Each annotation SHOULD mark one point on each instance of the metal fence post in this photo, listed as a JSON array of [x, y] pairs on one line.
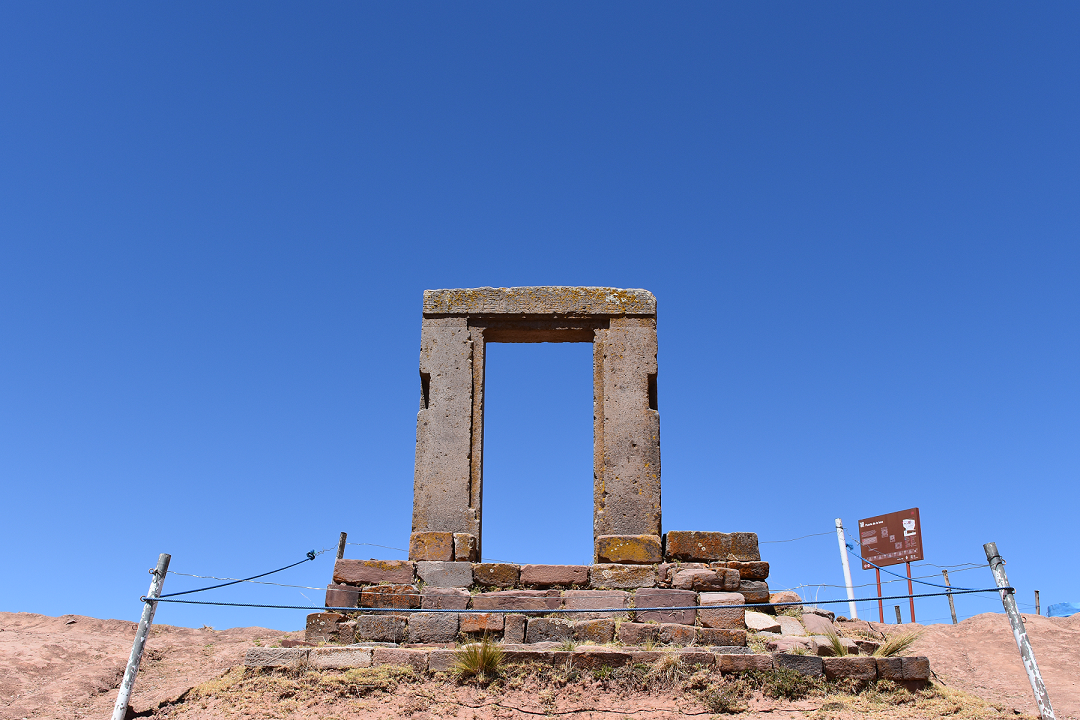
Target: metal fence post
[[149, 608], [997, 566]]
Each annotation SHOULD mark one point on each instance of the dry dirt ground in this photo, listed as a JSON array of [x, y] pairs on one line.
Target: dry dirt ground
[[70, 667]]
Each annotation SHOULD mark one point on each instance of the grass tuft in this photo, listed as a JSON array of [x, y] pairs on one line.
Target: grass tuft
[[896, 644], [480, 660]]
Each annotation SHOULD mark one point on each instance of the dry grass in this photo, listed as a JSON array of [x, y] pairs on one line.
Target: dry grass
[[482, 661], [394, 691], [896, 644]]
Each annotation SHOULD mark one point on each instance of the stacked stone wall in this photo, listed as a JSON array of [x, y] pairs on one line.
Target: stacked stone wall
[[695, 568]]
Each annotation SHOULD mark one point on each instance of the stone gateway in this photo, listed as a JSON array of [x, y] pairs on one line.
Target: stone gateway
[[449, 475]]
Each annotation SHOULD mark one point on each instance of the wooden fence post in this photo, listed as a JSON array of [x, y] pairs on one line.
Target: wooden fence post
[[899, 620], [952, 605], [997, 566], [341, 546], [149, 608]]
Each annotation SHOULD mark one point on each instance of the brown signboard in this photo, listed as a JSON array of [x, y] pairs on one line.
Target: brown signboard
[[891, 539]]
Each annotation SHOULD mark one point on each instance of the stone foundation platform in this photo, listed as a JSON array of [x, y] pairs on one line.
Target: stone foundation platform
[[698, 569], [914, 670]]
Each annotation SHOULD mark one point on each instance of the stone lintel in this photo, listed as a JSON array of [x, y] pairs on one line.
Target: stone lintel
[[540, 300]]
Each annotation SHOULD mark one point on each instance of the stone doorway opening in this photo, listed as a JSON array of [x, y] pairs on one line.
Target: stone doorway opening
[[538, 453]]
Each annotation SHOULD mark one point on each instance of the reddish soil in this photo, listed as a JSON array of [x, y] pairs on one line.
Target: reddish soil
[[70, 667]]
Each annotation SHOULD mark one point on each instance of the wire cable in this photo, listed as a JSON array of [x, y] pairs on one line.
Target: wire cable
[[310, 556]]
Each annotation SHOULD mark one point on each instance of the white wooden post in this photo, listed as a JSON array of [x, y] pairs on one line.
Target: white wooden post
[[997, 566], [847, 570], [149, 608]]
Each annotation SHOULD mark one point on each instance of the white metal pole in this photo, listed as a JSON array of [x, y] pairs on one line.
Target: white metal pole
[[847, 569], [149, 608], [1042, 699]]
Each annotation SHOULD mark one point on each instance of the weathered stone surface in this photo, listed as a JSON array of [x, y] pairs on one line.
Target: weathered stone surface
[[340, 658], [916, 668], [696, 546], [696, 657], [743, 663], [760, 622], [632, 633], [867, 647], [805, 664], [827, 614], [390, 596], [525, 654], [856, 668], [706, 580], [722, 617], [441, 660], [482, 622], [514, 629], [444, 598], [675, 634], [787, 643], [545, 576], [755, 570], [754, 591], [744, 547], [435, 546], [442, 497], [596, 632], [381, 628], [548, 630], [542, 300], [817, 625], [647, 657], [445, 574], [373, 572], [276, 657], [720, 636], [524, 600], [786, 596], [663, 598], [342, 596], [415, 658], [433, 627], [790, 626], [622, 576], [465, 547], [602, 599], [322, 627], [822, 646], [592, 658], [890, 668], [628, 549], [626, 458], [495, 574]]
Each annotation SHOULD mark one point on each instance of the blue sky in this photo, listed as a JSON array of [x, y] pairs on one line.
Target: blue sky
[[217, 222]]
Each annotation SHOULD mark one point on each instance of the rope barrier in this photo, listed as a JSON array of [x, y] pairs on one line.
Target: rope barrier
[[563, 610], [310, 556]]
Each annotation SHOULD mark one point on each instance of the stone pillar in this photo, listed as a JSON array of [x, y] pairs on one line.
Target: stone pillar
[[442, 493], [626, 455]]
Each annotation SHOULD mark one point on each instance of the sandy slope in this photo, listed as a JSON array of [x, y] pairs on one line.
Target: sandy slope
[[70, 666]]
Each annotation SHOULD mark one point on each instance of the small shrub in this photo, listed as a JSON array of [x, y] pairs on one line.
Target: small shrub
[[723, 700], [480, 660], [784, 683]]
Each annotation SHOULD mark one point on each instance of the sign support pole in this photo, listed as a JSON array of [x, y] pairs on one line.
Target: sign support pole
[[910, 592], [149, 608], [847, 569], [880, 605], [997, 566], [952, 605]]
